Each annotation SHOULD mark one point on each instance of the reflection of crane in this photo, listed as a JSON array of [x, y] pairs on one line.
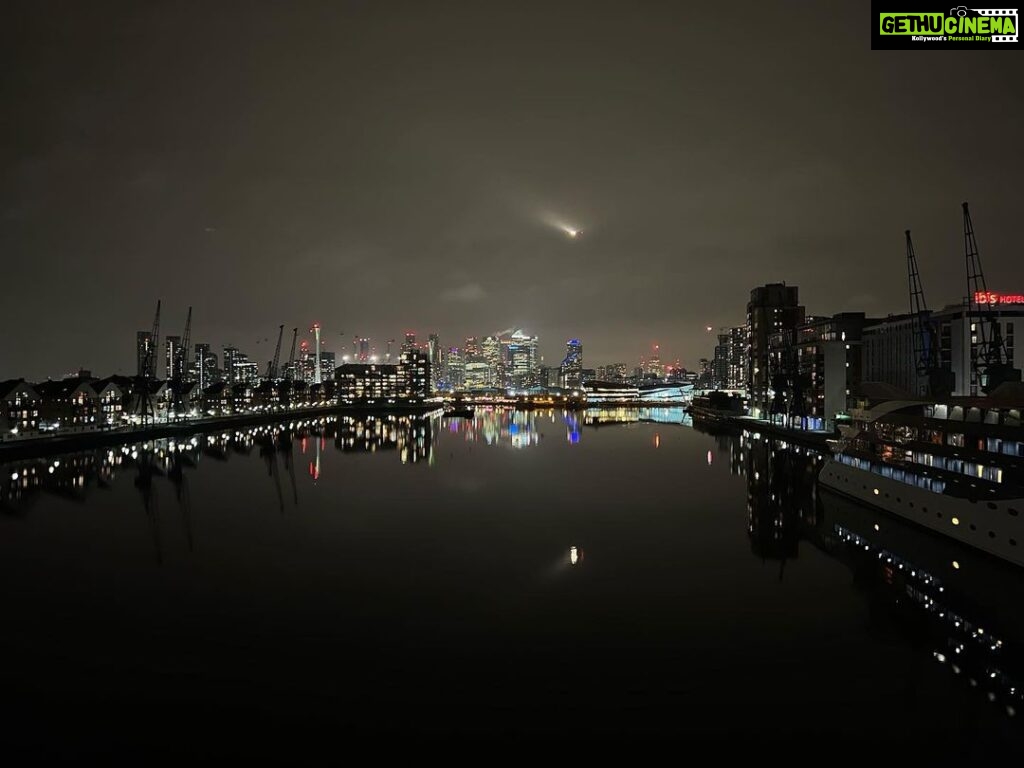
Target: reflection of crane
[[289, 464], [989, 363], [290, 372], [149, 368], [268, 450], [272, 365], [144, 482], [176, 474]]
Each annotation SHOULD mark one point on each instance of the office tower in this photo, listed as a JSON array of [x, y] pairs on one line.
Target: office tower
[[490, 350], [363, 353], [410, 341], [456, 368], [520, 357]]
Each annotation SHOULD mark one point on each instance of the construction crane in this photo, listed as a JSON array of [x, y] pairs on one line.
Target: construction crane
[[272, 365], [990, 365], [181, 362], [290, 372], [148, 373]]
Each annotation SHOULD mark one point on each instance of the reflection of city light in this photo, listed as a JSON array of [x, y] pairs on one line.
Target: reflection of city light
[[657, 440], [574, 555], [711, 458]]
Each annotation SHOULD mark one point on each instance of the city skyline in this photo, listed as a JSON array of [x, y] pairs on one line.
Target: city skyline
[[300, 183]]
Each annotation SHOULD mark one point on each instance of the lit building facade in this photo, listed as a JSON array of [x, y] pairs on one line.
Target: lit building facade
[[889, 353], [773, 308], [572, 365]]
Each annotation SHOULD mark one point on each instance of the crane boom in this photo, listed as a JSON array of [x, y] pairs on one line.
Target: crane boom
[[290, 373], [181, 364], [989, 362], [919, 310], [272, 367], [152, 364]]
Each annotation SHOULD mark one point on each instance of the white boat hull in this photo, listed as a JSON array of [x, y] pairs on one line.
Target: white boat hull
[[995, 526]]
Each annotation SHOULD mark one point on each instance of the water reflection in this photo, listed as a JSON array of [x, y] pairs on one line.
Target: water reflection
[[76, 476], [513, 428], [959, 606]]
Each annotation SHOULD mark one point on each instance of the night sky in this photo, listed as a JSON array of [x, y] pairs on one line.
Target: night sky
[[378, 166]]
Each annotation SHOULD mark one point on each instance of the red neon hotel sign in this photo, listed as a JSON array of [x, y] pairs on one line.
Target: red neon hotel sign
[[991, 297]]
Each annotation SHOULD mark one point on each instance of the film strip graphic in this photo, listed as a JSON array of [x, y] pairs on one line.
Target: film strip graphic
[[1001, 12]]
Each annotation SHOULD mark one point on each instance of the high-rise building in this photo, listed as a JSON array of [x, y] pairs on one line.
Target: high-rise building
[[232, 357], [145, 355], [410, 341], [491, 350], [520, 359], [414, 370], [203, 366], [652, 368], [455, 369], [434, 353], [363, 353], [176, 357], [772, 308], [815, 370], [572, 365]]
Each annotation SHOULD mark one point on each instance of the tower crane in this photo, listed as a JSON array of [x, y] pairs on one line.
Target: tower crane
[[925, 356], [181, 363], [990, 364], [290, 373], [149, 364], [272, 365]]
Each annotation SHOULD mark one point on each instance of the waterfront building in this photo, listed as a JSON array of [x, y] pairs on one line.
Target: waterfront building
[[414, 370], [113, 395], [815, 369], [68, 403], [611, 392], [19, 407], [572, 365], [890, 355], [772, 308], [359, 382], [587, 374]]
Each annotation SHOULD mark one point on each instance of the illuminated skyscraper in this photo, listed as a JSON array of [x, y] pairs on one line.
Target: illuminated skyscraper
[[175, 357], [572, 365], [455, 368], [490, 349], [434, 354], [520, 359]]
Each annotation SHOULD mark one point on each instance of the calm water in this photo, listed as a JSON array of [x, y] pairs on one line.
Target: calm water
[[518, 573]]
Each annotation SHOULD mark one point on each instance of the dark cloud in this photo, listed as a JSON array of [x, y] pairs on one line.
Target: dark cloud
[[377, 166]]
